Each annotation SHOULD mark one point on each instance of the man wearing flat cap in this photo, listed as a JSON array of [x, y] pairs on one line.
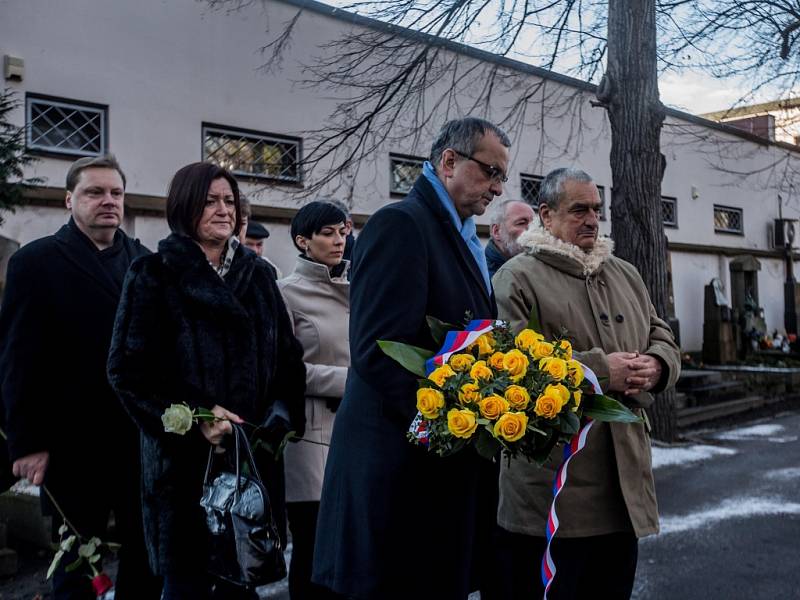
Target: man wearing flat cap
[[254, 238]]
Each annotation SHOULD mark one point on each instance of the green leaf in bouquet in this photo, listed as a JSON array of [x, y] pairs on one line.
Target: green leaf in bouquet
[[410, 357], [604, 408], [570, 424], [56, 559], [73, 566], [203, 414], [486, 444], [533, 320], [439, 329]]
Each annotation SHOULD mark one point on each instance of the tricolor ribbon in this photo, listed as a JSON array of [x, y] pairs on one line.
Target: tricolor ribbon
[[575, 445], [455, 341]]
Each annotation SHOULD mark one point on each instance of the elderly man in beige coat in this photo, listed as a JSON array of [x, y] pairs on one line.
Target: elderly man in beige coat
[[571, 278]]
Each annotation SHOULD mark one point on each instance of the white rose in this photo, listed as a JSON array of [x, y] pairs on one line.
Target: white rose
[[177, 418]]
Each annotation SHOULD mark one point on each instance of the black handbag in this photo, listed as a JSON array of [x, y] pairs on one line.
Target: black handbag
[[245, 547]]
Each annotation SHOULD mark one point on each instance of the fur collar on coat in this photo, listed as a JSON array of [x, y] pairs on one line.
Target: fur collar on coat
[[537, 240]]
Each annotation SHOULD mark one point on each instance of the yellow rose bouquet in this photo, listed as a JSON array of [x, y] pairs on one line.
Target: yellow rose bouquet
[[486, 387]]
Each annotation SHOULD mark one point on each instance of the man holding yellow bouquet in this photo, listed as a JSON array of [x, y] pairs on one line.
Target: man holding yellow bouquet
[[571, 279], [397, 521]]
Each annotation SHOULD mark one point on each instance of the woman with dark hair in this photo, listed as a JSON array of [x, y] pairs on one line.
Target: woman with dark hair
[[200, 322], [317, 295]]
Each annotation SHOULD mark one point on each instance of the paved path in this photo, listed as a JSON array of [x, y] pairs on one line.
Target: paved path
[[730, 516]]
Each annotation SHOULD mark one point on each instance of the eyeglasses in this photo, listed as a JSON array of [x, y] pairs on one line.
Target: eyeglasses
[[491, 171]]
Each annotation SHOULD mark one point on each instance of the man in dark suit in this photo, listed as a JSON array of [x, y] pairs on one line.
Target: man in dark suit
[[66, 428], [396, 521]]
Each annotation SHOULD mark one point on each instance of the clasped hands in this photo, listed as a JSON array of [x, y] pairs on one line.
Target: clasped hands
[[633, 373]]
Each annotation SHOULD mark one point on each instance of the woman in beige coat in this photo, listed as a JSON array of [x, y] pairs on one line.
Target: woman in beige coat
[[317, 295]]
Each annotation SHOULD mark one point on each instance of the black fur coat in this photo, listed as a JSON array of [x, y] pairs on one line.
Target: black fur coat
[[182, 334]]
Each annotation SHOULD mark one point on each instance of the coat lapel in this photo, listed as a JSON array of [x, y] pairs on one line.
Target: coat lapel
[[77, 252], [200, 283], [428, 197]]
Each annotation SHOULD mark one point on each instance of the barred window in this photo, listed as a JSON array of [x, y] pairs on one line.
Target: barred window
[[669, 211], [403, 172], [529, 186], [253, 154], [67, 127], [602, 191], [728, 219]]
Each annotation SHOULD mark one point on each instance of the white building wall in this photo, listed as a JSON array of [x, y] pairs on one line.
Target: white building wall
[[165, 68]]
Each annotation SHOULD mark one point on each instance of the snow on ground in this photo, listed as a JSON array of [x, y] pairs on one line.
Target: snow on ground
[[665, 456], [731, 508], [770, 432], [783, 474]]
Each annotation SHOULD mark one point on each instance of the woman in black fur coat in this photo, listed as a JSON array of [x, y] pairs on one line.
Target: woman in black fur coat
[[200, 322]]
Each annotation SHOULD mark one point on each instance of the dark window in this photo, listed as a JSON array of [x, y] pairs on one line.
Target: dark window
[[529, 186], [728, 220], [669, 211], [253, 154], [67, 127], [403, 172]]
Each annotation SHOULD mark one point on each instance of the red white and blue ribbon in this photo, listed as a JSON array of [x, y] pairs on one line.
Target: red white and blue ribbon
[[575, 445], [455, 341]]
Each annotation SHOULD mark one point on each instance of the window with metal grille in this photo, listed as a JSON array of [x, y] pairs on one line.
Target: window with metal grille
[[669, 211], [529, 186], [403, 172], [728, 219], [602, 191], [68, 127], [253, 154]]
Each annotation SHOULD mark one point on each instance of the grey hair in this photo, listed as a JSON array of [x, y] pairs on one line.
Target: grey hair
[[245, 207], [552, 187], [498, 210], [464, 135]]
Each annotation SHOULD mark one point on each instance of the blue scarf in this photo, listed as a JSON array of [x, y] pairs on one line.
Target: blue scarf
[[466, 229]]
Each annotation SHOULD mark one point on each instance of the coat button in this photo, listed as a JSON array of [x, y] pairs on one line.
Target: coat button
[[603, 317], [619, 318]]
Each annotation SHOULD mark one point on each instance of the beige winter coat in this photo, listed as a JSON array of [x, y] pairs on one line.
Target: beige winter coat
[[602, 302], [319, 307]]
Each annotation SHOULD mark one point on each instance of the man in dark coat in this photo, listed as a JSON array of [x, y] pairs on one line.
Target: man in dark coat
[[396, 521], [65, 426]]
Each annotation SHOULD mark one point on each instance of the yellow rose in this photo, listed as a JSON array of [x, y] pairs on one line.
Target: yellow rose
[[516, 364], [556, 367], [577, 395], [496, 361], [527, 338], [480, 371], [517, 396], [575, 372], [485, 344], [461, 362], [542, 349], [430, 402], [511, 426], [566, 349], [441, 374], [469, 393], [560, 392], [547, 406], [461, 422], [493, 406]]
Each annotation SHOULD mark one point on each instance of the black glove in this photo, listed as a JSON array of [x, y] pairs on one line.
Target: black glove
[[276, 430]]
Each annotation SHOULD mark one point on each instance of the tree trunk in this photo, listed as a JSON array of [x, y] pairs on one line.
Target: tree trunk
[[637, 166]]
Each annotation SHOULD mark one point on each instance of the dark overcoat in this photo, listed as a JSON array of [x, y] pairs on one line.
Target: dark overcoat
[[395, 521], [183, 335], [55, 329]]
